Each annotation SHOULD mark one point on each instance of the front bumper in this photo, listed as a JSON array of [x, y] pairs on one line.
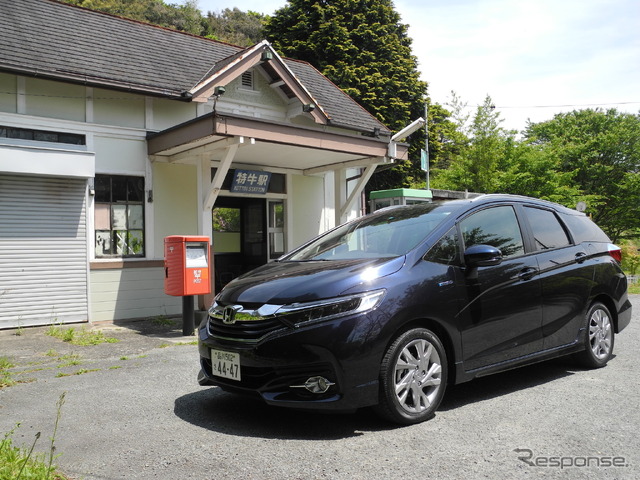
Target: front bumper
[[277, 367]]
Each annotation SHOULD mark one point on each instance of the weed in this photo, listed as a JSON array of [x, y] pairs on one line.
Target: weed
[[115, 367], [69, 360], [5, 363], [124, 358], [177, 344], [163, 321], [51, 353], [82, 371], [16, 462], [82, 337], [6, 377]]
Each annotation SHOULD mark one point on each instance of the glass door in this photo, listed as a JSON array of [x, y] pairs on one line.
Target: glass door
[[275, 228]]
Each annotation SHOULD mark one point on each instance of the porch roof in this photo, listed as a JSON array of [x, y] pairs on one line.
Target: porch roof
[[268, 144]]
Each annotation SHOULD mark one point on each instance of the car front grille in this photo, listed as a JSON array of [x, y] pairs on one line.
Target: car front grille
[[244, 331]]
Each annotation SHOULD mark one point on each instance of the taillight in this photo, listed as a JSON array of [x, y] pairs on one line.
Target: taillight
[[615, 252]]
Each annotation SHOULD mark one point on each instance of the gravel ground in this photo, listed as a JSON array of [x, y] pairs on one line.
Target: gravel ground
[[133, 410]]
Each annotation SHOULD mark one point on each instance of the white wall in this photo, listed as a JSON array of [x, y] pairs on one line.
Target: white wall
[[306, 202], [130, 293]]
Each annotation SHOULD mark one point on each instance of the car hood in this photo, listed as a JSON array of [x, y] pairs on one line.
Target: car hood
[[281, 283]]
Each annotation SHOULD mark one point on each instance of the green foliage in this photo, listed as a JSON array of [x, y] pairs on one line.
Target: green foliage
[[6, 377], [226, 219], [236, 27], [362, 46], [600, 151], [230, 25], [82, 337], [186, 18], [585, 155], [480, 155], [22, 463], [630, 258]]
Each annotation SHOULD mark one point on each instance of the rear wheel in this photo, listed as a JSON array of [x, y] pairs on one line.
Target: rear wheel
[[413, 377], [599, 339]]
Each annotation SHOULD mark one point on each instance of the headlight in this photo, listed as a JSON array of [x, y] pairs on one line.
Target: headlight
[[297, 313]]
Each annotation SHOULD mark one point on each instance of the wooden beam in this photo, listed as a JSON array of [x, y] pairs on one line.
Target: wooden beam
[[357, 191]]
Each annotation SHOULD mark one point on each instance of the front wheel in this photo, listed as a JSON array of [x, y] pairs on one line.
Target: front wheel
[[413, 377], [599, 338]]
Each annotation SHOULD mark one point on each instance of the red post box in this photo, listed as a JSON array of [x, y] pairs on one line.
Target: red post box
[[187, 265]]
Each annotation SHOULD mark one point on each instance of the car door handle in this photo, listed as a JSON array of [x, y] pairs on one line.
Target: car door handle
[[527, 273], [581, 257]]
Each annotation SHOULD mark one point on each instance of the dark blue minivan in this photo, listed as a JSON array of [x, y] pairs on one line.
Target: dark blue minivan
[[388, 309]]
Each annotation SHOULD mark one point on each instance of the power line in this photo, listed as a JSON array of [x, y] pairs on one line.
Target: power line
[[568, 105]]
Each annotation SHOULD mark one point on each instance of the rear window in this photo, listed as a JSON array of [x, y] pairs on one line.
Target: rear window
[[584, 230]]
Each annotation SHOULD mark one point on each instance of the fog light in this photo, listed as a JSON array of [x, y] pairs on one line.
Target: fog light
[[316, 385]]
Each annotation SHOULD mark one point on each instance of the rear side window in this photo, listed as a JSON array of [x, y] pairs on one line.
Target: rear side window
[[584, 230], [497, 226], [547, 230]]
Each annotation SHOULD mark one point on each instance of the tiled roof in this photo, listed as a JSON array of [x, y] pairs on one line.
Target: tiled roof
[[55, 40]]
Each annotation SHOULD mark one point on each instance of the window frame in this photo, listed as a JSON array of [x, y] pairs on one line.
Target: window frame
[[123, 205], [533, 247], [525, 233]]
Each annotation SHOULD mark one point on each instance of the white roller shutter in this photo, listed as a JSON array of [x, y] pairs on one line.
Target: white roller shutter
[[43, 250]]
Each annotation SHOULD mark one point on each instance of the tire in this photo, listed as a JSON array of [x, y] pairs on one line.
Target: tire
[[413, 377], [599, 338]]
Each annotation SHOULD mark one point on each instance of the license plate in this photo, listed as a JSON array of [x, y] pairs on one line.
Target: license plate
[[225, 364]]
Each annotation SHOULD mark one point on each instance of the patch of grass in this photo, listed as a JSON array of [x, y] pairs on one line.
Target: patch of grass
[[124, 358], [634, 288], [69, 360], [115, 367], [82, 337], [22, 463], [82, 371], [5, 363], [177, 344], [51, 353], [6, 377], [163, 321]]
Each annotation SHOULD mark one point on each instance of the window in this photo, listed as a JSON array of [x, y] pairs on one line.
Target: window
[[41, 135], [276, 228], [547, 230], [226, 230], [497, 227], [446, 250], [119, 216]]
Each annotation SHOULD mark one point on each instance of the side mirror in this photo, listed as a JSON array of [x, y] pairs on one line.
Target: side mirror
[[482, 256]]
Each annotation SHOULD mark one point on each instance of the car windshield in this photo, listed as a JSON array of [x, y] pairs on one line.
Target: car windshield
[[387, 233]]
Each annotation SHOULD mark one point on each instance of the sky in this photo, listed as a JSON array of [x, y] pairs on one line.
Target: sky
[[534, 58]]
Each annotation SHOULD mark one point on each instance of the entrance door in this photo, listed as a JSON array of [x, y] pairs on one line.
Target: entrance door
[[240, 240]]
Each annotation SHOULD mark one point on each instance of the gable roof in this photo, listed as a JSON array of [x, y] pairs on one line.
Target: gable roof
[[49, 39]]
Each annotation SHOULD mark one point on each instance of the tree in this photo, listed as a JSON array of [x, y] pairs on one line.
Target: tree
[[600, 151], [362, 46], [477, 165], [186, 18], [237, 27]]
